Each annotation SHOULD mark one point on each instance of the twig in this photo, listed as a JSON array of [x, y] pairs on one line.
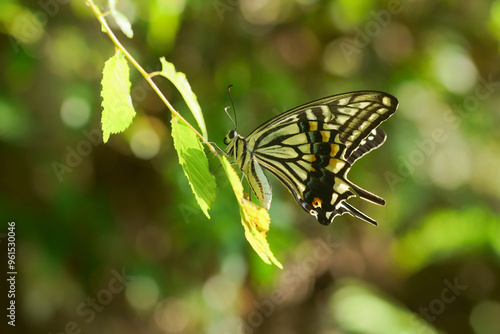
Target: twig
[[148, 76]]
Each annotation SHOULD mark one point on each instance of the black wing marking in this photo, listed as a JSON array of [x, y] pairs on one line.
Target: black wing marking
[[374, 140], [311, 148]]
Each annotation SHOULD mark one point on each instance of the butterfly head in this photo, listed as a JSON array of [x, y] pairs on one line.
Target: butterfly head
[[232, 140], [230, 137]]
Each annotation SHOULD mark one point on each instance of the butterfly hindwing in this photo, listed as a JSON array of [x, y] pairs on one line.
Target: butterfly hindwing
[[311, 148], [375, 139], [259, 183]]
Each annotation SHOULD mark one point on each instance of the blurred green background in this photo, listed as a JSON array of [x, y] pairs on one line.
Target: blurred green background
[[110, 240]]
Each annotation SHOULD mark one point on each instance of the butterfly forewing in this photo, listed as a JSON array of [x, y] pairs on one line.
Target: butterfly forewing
[[311, 148]]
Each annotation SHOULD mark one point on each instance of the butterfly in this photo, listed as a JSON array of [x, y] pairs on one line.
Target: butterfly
[[311, 148]]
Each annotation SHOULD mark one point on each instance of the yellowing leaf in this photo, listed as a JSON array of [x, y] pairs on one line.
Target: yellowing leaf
[[255, 219]]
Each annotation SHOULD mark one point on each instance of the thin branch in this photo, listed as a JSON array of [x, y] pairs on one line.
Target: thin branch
[[148, 76]]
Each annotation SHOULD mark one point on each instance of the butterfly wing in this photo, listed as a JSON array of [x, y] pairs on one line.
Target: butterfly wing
[[311, 148], [375, 139], [258, 182]]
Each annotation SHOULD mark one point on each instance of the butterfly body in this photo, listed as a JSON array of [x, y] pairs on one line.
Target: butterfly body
[[311, 148]]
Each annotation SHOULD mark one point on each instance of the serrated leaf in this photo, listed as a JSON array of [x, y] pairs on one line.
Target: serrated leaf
[[255, 219], [118, 112], [120, 19], [194, 163], [179, 80], [123, 22]]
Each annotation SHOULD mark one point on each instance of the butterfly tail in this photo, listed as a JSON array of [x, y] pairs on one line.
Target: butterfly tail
[[347, 208], [366, 195]]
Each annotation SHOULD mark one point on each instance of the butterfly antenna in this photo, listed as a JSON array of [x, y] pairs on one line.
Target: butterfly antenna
[[227, 113], [235, 120]]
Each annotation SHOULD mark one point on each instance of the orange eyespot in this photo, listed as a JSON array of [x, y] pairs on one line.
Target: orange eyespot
[[316, 202]]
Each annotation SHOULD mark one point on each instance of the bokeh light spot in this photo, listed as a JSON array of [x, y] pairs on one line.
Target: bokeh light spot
[[219, 292], [341, 57], [172, 315], [450, 164], [265, 12], [75, 112], [298, 47], [395, 43], [484, 317], [142, 293], [145, 143], [454, 69], [235, 267]]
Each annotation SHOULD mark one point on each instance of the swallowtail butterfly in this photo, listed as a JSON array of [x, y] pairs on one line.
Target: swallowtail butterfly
[[311, 148]]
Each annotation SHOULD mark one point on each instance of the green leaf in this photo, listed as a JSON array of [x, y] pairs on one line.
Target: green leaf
[[123, 22], [194, 163], [255, 219], [182, 85], [120, 19], [118, 112]]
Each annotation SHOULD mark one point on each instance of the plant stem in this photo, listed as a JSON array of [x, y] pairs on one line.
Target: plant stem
[[148, 76]]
